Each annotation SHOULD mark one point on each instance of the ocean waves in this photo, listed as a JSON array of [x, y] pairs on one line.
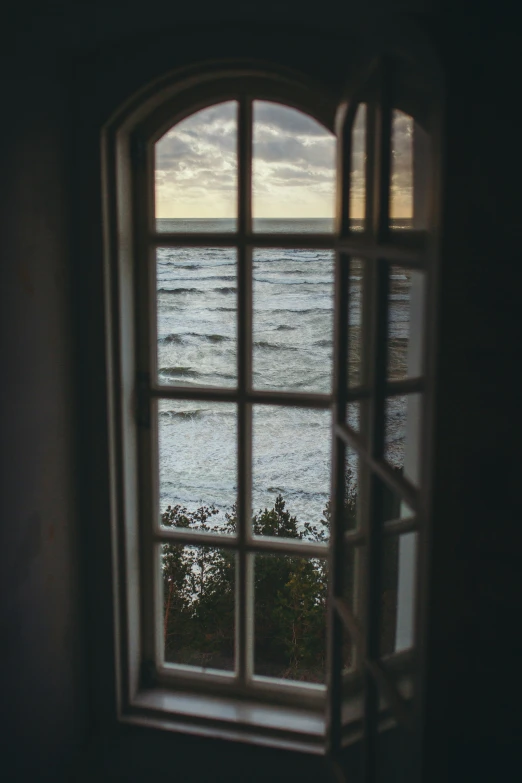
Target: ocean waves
[[292, 346], [197, 291], [179, 339]]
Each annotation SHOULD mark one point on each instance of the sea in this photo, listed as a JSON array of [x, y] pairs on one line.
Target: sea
[[292, 351]]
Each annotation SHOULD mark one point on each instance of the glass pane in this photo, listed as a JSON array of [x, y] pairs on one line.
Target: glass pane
[[351, 489], [358, 170], [293, 320], [198, 605], [402, 417], [197, 316], [290, 617], [197, 464], [405, 323], [353, 415], [358, 269], [196, 172], [293, 171], [401, 174], [291, 455], [399, 558]]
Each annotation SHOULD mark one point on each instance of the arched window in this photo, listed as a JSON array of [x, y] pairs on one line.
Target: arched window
[[272, 257]]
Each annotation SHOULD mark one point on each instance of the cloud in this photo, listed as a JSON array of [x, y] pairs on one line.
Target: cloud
[[293, 164], [286, 121]]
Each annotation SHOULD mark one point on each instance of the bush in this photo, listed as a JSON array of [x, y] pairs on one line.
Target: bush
[[290, 595]]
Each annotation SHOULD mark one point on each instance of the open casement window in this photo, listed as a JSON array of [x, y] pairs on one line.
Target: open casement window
[[384, 326], [205, 395]]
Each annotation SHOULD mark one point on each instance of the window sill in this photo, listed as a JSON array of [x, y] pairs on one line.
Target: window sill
[[300, 729], [288, 728]]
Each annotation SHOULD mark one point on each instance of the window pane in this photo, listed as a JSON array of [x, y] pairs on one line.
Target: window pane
[[405, 323], [353, 415], [358, 170], [293, 320], [196, 315], [293, 171], [198, 605], [197, 464], [358, 272], [351, 489], [353, 562], [196, 172], [399, 557], [290, 617], [291, 472], [403, 434], [401, 182]]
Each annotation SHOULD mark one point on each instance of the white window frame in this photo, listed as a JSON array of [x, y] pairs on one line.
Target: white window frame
[[242, 706]]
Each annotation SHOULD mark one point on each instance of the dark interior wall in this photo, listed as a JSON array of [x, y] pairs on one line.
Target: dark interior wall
[[475, 642], [41, 649]]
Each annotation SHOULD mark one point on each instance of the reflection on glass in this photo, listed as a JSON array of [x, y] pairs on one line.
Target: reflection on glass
[[197, 464], [358, 170], [399, 556], [355, 322], [197, 316], [402, 433], [293, 171], [401, 174], [293, 320], [290, 617], [198, 606], [196, 172], [291, 472], [405, 323]]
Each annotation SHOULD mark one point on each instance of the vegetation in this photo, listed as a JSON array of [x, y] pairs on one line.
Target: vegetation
[[290, 594]]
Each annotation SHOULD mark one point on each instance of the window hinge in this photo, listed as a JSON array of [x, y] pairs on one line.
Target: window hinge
[[143, 399]]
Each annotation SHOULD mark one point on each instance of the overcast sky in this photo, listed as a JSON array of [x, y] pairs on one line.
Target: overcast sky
[[293, 166]]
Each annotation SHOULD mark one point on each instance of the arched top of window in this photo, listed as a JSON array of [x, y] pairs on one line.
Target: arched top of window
[[161, 104]]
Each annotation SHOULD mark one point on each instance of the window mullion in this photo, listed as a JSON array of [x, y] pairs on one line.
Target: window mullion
[[244, 582]]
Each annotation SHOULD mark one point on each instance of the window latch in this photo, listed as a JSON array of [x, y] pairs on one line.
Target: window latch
[[143, 399]]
